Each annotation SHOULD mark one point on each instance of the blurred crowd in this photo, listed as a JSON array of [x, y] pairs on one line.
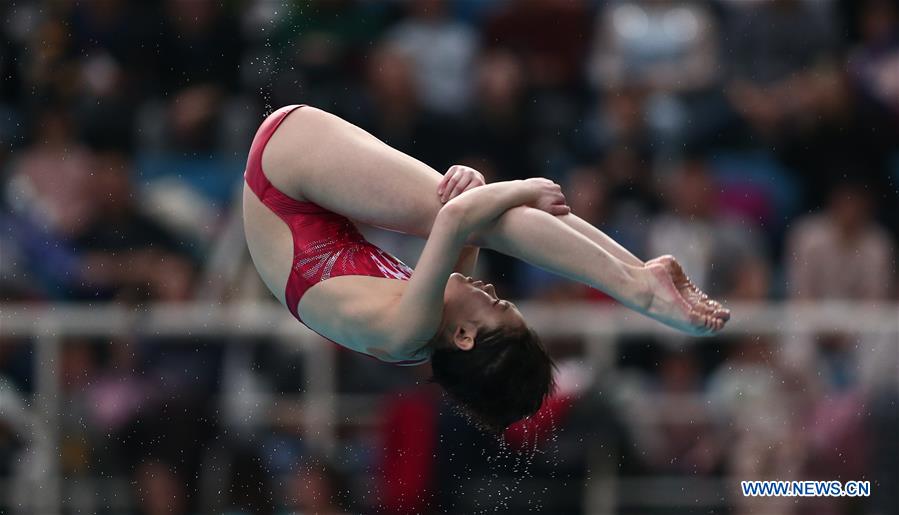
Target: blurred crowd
[[756, 140]]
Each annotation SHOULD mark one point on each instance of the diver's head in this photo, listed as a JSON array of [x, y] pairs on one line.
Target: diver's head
[[471, 307], [487, 358]]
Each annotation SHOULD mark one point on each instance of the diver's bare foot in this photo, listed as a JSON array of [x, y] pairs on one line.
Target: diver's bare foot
[[668, 305], [693, 295]]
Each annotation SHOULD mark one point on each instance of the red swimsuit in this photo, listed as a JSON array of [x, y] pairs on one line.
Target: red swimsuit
[[325, 244]]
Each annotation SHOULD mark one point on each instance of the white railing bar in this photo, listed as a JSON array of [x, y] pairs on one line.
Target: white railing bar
[[587, 319]]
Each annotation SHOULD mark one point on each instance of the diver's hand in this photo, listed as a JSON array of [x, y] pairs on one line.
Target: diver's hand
[[457, 180], [547, 196]]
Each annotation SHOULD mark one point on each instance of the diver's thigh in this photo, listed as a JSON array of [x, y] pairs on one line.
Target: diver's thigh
[[322, 158], [270, 243]]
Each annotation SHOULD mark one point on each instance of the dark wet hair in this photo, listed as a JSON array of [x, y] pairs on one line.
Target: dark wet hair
[[505, 377]]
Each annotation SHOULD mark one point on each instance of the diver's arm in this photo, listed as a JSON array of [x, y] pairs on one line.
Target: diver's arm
[[415, 317], [481, 206], [457, 180]]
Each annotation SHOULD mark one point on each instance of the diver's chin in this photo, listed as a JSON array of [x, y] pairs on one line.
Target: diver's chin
[[460, 277]]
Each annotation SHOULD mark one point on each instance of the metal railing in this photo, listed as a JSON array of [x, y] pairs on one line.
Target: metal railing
[[599, 324]]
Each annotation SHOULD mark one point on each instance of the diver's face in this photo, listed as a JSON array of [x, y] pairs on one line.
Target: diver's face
[[468, 301]]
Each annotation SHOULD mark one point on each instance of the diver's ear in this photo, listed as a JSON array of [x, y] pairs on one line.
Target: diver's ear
[[464, 336]]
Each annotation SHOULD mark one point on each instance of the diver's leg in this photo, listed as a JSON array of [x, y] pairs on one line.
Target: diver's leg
[[317, 156], [333, 163], [324, 159], [320, 157], [545, 241], [600, 238]]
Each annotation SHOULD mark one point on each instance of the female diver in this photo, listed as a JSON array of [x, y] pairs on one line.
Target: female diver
[[322, 173]]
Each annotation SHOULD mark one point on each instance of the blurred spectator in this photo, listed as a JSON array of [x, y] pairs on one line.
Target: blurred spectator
[[497, 135], [617, 123], [113, 29], [589, 195], [108, 37], [116, 395], [551, 37], [196, 69], [16, 435], [756, 406], [631, 199], [319, 487], [48, 67], [873, 66], [841, 253], [250, 484], [838, 439], [408, 440], [708, 246], [80, 228], [166, 469], [329, 34], [662, 55], [769, 40], [10, 96], [683, 439], [551, 40], [50, 176], [781, 61], [874, 63], [665, 46], [391, 109], [442, 52], [200, 44], [124, 252], [314, 52], [751, 280]]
